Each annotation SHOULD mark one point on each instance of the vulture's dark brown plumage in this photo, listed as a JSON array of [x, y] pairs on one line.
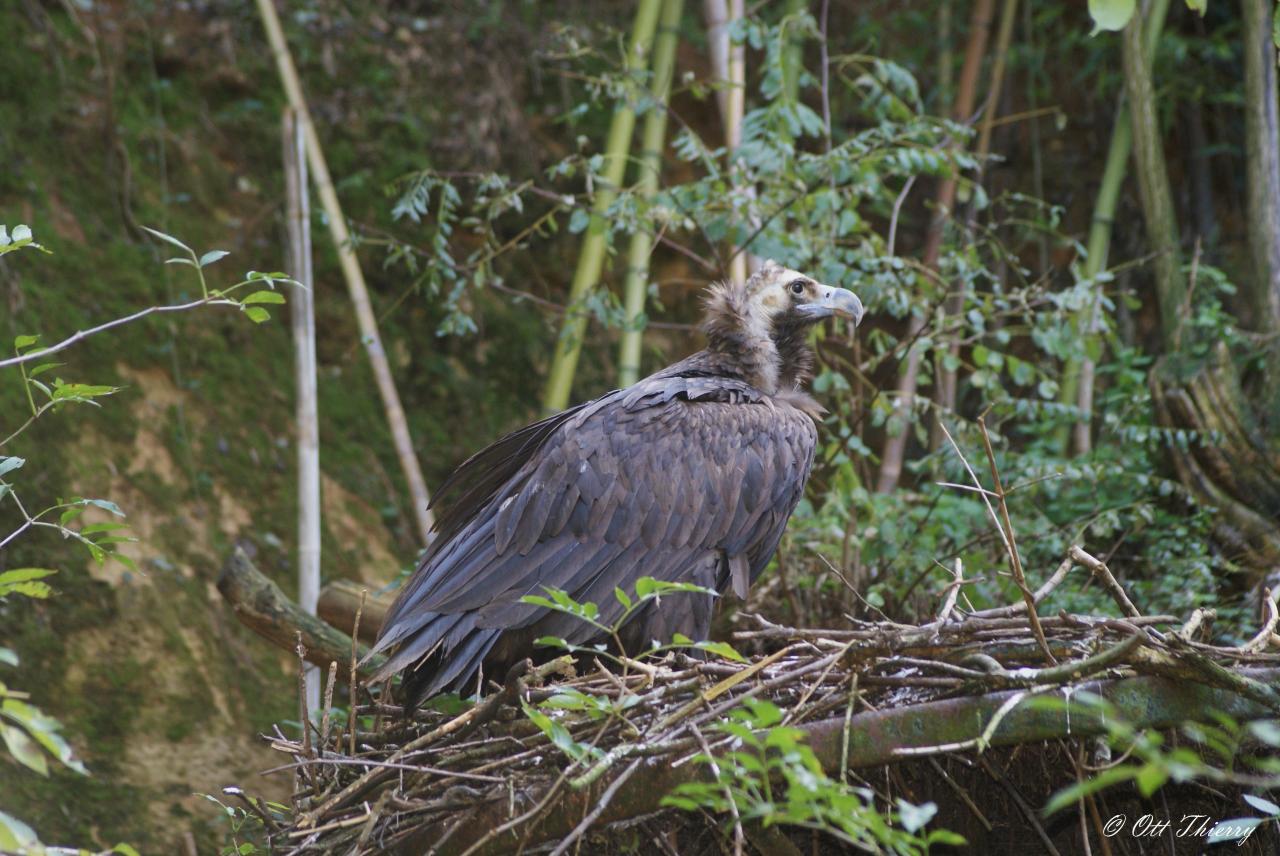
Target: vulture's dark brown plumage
[[687, 476]]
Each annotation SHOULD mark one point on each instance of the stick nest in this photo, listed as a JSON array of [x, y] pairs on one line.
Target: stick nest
[[489, 778]]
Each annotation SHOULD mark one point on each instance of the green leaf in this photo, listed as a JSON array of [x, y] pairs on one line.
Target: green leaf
[[8, 656], [264, 297], [1110, 14], [124, 850], [16, 836], [167, 239], [1267, 731], [213, 256], [1233, 829], [25, 581], [179, 261], [44, 729], [915, 817], [95, 528], [623, 598], [8, 465], [1151, 778], [42, 368], [1070, 795], [21, 342], [257, 314], [23, 749], [1265, 806], [1200, 6], [721, 649], [19, 575], [105, 505]]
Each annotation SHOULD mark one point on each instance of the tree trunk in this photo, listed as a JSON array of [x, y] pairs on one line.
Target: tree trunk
[[1262, 166], [652, 140], [1228, 460], [1078, 376], [946, 394], [895, 447], [1153, 184], [591, 258]]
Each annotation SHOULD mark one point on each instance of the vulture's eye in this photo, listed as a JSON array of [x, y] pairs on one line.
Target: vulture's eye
[[797, 287]]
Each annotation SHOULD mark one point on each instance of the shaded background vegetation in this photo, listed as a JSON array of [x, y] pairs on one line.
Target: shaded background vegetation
[[118, 115]]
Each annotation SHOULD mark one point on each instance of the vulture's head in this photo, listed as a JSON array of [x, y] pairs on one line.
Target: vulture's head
[[762, 323], [788, 298]]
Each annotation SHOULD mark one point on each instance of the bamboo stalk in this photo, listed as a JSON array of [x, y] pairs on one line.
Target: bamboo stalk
[[1262, 165], [728, 62], [298, 219], [793, 59], [895, 447], [652, 139], [1078, 377], [586, 276], [419, 497], [1158, 212], [947, 377]]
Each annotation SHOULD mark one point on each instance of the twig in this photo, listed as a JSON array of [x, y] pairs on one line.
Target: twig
[[118, 322], [353, 685], [1041, 593], [1014, 558], [1262, 639], [304, 716], [328, 705], [601, 805], [1198, 617], [953, 592], [1104, 575]]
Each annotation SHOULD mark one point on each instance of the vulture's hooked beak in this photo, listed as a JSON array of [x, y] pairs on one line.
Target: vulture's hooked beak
[[833, 301]]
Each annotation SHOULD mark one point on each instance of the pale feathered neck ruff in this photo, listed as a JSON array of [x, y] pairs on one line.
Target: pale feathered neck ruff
[[740, 327]]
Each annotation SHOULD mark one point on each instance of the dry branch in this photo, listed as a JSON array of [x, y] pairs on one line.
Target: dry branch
[[266, 610], [340, 603]]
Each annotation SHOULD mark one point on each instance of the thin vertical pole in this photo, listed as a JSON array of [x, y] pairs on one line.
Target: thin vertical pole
[[419, 498], [302, 304]]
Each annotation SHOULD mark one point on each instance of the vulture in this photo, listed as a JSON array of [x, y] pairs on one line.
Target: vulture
[[688, 476]]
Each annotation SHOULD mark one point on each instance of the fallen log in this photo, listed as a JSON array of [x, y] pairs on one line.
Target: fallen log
[[340, 601], [266, 610]]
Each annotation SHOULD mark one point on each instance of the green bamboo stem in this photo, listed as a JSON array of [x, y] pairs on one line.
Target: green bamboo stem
[[652, 139], [1158, 212], [591, 258], [1098, 246], [793, 58], [1262, 166]]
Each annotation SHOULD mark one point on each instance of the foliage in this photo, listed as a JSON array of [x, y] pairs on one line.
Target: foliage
[[244, 829], [772, 777], [1222, 752], [30, 735]]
